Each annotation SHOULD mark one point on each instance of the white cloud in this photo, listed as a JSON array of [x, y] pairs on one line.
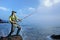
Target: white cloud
[[56, 1], [47, 6], [4, 9], [26, 11], [49, 3], [31, 9]]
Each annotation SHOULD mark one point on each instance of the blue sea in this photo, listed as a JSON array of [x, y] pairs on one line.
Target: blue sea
[[31, 32]]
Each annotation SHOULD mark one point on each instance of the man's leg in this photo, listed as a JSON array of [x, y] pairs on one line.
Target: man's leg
[[12, 30], [19, 28]]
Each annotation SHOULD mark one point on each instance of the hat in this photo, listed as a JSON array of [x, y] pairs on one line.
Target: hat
[[13, 12]]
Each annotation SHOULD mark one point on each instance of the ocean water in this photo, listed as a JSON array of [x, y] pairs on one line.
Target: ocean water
[[31, 32]]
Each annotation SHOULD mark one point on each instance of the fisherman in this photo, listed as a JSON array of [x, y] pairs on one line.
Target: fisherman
[[13, 20]]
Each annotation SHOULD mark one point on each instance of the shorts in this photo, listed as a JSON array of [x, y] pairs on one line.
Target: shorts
[[15, 25]]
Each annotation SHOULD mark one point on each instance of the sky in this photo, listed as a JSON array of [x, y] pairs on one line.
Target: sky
[[46, 12]]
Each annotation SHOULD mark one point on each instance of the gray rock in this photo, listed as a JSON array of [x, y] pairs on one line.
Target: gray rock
[[13, 37]]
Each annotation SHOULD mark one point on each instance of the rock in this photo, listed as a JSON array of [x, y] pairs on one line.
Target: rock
[[55, 36], [13, 37]]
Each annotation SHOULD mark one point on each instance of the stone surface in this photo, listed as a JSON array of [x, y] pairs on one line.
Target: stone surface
[[55, 36], [13, 37]]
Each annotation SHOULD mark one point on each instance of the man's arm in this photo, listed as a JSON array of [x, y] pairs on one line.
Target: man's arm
[[18, 19], [12, 21]]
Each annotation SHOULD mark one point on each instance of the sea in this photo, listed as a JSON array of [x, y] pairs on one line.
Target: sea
[[31, 32]]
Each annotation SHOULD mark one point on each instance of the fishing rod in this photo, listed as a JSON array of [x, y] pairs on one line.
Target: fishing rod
[[28, 15]]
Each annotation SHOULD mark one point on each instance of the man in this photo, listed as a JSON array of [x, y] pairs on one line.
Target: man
[[13, 20]]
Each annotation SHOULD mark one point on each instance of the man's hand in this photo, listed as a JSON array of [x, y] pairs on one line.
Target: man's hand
[[19, 19], [13, 22]]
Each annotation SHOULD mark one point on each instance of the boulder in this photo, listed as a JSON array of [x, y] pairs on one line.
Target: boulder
[[55, 36], [13, 37]]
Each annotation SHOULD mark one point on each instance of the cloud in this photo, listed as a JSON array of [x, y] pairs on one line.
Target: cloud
[[56, 1], [47, 12], [26, 11], [49, 3], [4, 9], [48, 6], [21, 13], [31, 9]]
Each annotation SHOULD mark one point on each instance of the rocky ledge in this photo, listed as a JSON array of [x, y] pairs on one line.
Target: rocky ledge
[[13, 37]]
